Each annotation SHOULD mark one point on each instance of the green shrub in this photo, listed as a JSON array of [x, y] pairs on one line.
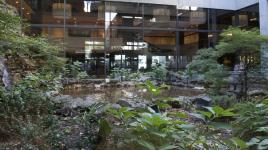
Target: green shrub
[[158, 73], [82, 75], [121, 73], [251, 123], [24, 109]]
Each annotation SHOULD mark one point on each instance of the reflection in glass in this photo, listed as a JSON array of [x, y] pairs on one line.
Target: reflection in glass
[[159, 61], [105, 34], [142, 62]]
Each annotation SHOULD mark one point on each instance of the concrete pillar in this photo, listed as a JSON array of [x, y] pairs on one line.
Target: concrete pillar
[[263, 8]]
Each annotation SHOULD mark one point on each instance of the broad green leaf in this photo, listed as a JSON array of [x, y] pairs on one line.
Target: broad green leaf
[[205, 113], [227, 114], [105, 128], [218, 110], [179, 122], [220, 125], [265, 102], [146, 144], [187, 126], [210, 109], [128, 115], [178, 114], [124, 109], [167, 147], [239, 143], [162, 105], [161, 134], [199, 116]]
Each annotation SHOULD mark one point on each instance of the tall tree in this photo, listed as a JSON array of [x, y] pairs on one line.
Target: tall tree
[[243, 45]]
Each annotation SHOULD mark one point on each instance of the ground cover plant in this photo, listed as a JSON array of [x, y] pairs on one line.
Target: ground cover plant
[[30, 117]]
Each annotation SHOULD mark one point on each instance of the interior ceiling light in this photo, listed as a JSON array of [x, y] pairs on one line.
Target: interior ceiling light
[[253, 19], [127, 17], [138, 17]]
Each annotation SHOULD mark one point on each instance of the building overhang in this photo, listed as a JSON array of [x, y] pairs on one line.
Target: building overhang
[[215, 4]]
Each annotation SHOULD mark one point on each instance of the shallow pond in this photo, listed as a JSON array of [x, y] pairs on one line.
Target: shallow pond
[[113, 94]]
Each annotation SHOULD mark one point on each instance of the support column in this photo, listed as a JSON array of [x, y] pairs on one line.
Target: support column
[[177, 52], [263, 9]]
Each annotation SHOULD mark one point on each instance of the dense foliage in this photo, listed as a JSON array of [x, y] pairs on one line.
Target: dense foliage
[[26, 111], [164, 129], [206, 64], [25, 107], [31, 119], [244, 47], [15, 45]]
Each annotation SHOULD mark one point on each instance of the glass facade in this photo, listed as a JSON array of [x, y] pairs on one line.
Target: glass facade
[[106, 35]]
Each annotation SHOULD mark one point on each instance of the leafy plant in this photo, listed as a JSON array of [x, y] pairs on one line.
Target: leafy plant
[[251, 123], [155, 90], [157, 131], [245, 45], [216, 112], [242, 44], [124, 114], [158, 73], [82, 75], [73, 69], [24, 108], [121, 73], [205, 63], [135, 76], [216, 117]]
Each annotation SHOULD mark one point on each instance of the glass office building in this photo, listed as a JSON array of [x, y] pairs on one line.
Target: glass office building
[[133, 35]]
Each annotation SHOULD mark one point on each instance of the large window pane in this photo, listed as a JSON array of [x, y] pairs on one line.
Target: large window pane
[[85, 12], [125, 48], [161, 48], [192, 17], [124, 14], [159, 16], [87, 46]]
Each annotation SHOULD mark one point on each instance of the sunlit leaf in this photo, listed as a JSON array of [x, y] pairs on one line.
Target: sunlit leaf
[[239, 143]]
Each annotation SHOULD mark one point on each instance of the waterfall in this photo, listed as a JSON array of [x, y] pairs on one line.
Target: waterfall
[[5, 75]]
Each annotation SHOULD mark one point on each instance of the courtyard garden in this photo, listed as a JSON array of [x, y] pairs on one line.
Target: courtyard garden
[[219, 102]]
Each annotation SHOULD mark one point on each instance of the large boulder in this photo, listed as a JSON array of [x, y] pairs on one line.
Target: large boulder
[[123, 103], [72, 102], [259, 92], [133, 103], [202, 100]]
